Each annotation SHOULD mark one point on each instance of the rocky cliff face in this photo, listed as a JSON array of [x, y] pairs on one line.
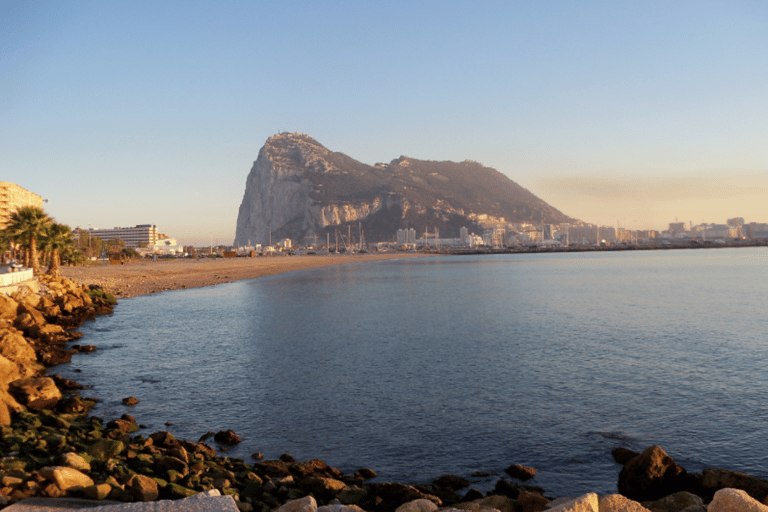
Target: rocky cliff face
[[299, 189]]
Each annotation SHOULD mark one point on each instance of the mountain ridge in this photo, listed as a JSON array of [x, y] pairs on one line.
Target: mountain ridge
[[299, 189]]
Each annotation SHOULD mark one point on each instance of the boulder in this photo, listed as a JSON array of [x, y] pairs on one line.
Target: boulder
[[104, 449], [306, 504], [322, 487], [531, 501], [522, 473], [36, 392], [619, 503], [678, 501], [66, 478], [421, 505], [392, 495], [8, 308], [131, 400], [716, 479], [735, 500], [500, 503], [651, 475], [451, 482], [97, 492], [585, 503], [227, 438], [74, 461], [623, 455], [142, 488], [15, 347], [338, 507]]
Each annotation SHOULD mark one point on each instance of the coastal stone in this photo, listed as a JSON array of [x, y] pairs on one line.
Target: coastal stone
[[585, 503], [352, 495], [306, 504], [104, 449], [169, 463], [142, 488], [36, 392], [421, 505], [323, 487], [715, 479], [676, 502], [16, 348], [506, 488], [338, 507], [619, 503], [490, 503], [531, 501], [74, 461], [97, 491], [8, 307], [123, 425], [131, 400], [651, 475], [66, 478], [366, 473], [227, 438], [176, 491], [395, 494], [735, 500], [164, 439], [522, 473], [451, 482], [623, 455]]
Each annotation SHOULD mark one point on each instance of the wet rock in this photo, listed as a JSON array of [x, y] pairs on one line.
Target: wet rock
[[123, 425], [451, 482], [522, 473], [338, 507], [131, 400], [365, 473], [506, 488], [72, 405], [651, 476], [623, 455], [164, 439], [287, 458], [227, 438], [84, 349], [735, 500], [168, 463], [473, 494], [36, 392], [716, 479], [501, 503], [257, 456], [64, 383]]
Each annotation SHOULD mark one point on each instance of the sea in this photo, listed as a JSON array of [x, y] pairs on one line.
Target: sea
[[458, 365]]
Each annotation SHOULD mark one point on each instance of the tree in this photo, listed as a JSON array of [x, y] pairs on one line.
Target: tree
[[26, 225], [57, 239]]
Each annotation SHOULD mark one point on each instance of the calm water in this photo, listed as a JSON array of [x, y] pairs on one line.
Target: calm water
[[422, 367]]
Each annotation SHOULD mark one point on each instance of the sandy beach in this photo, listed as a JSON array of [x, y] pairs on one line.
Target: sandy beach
[[145, 277]]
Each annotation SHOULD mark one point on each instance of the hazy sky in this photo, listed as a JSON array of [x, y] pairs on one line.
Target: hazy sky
[[125, 113]]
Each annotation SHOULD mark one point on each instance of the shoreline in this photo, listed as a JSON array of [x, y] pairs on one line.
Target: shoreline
[[148, 277]]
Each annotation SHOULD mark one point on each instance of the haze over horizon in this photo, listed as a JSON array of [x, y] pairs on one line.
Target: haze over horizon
[[635, 113]]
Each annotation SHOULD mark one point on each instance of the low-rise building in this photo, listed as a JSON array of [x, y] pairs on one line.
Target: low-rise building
[[142, 235]]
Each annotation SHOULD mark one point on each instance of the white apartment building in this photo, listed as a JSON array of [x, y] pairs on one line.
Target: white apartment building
[[143, 235]]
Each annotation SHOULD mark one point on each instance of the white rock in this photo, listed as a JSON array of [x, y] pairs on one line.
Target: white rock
[[306, 504], [619, 503], [74, 461], [421, 505], [735, 500], [66, 478], [586, 503]]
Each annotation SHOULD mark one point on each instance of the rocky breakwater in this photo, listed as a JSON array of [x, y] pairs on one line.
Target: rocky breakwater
[[35, 328]]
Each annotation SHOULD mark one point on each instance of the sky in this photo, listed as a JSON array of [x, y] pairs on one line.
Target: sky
[[634, 113]]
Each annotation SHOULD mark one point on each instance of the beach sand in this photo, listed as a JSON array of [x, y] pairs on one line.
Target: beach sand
[[145, 277]]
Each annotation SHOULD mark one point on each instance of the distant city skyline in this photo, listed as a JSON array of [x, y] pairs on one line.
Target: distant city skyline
[[612, 112]]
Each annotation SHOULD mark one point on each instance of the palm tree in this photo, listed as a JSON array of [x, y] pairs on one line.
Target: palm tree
[[57, 238], [26, 225]]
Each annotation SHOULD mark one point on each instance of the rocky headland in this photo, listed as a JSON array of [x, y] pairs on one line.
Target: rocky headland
[[51, 446]]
